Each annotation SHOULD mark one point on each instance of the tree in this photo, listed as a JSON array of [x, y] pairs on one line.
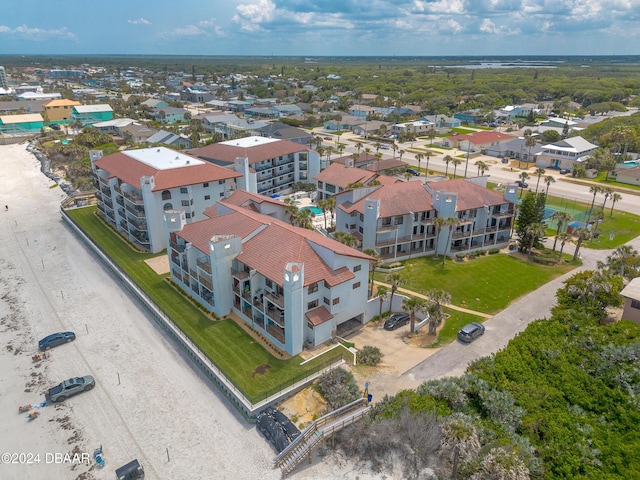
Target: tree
[[401, 153], [436, 315], [539, 172], [523, 177], [358, 146], [413, 305], [531, 212], [549, 179], [482, 167], [529, 142], [608, 192], [614, 198], [323, 205], [534, 231], [426, 169], [345, 238], [395, 279], [622, 257], [447, 159], [431, 133], [291, 209], [595, 190], [419, 157], [451, 223], [382, 295], [582, 234], [456, 161], [304, 218], [372, 265], [564, 236], [561, 218]]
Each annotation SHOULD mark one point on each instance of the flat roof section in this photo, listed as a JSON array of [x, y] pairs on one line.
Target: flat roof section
[[248, 142], [162, 158]]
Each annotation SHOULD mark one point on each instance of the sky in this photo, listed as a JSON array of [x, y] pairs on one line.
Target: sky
[[321, 27]]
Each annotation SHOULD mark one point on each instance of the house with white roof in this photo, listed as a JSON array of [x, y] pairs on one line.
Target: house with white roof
[[292, 285], [90, 114], [565, 153], [268, 166], [135, 187]]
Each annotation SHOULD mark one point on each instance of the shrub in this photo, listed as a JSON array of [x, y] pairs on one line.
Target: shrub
[[348, 344], [460, 256], [369, 355], [493, 251], [338, 387]]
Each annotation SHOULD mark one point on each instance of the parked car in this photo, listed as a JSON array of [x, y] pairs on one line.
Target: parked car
[[413, 172], [54, 126], [70, 387], [564, 171], [55, 339], [470, 332], [522, 184], [328, 138], [396, 320], [384, 146]]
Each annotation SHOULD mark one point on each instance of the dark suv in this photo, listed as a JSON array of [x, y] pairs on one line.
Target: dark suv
[[470, 332], [396, 320], [413, 172]]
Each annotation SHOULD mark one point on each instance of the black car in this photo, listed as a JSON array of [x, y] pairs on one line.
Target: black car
[[522, 184], [564, 171], [470, 332], [56, 339], [413, 172], [396, 320], [54, 126]]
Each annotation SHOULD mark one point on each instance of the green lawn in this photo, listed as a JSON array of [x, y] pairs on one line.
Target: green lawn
[[224, 342], [485, 284], [452, 325]]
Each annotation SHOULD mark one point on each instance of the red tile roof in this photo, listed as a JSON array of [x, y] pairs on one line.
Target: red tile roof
[[396, 199], [386, 164], [470, 195], [129, 170], [228, 153], [339, 175], [318, 316], [269, 244]]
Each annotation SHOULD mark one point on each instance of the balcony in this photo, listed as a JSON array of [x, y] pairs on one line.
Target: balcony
[[276, 315], [284, 161], [206, 281], [136, 211], [177, 248], [117, 188], [275, 299], [502, 214], [105, 190], [120, 200], [276, 332], [204, 264], [139, 224], [134, 198], [240, 274]]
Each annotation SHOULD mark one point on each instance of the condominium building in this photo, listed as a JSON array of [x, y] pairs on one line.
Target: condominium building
[[269, 166], [135, 187], [398, 220], [293, 285]]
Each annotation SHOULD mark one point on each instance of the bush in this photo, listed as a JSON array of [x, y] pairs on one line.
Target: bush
[[369, 355], [338, 387], [460, 256], [493, 251]]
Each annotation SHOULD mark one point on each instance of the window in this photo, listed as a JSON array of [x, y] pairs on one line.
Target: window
[[311, 305], [399, 220], [356, 285], [635, 304], [269, 283], [336, 301], [207, 197], [313, 288], [360, 230], [185, 203], [184, 190], [167, 206], [357, 268], [187, 215], [220, 182], [205, 184], [166, 195], [326, 301], [310, 325], [386, 221], [222, 194]]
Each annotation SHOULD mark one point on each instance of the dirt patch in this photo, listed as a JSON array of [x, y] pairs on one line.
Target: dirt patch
[[159, 264], [304, 407], [261, 370]]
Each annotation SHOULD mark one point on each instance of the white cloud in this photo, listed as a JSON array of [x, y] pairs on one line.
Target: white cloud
[[204, 28], [139, 21], [251, 15], [39, 34]]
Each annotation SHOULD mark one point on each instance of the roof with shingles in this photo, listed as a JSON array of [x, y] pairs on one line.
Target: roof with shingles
[[470, 195], [341, 176], [270, 244], [125, 166], [61, 102], [479, 138], [396, 199], [318, 316], [229, 151]]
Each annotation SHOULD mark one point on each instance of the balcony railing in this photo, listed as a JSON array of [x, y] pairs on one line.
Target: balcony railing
[[177, 248], [276, 299], [134, 198], [206, 282], [136, 211], [460, 234], [205, 264]]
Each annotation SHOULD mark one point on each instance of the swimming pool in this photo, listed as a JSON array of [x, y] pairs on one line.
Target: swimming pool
[[315, 210]]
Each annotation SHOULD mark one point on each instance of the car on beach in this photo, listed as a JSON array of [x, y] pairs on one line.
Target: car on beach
[[55, 339], [470, 332], [70, 387], [396, 320]]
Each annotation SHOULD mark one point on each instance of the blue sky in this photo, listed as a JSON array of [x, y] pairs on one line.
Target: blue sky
[[322, 27]]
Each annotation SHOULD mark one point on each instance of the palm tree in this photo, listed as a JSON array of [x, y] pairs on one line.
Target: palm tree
[[322, 205], [426, 169], [539, 172], [564, 236], [456, 161], [400, 152], [534, 231], [529, 142], [523, 177], [382, 295], [562, 218], [395, 279], [304, 218], [354, 156], [582, 234], [608, 192], [345, 239], [291, 209], [549, 179], [438, 298], [450, 222], [358, 146], [482, 167], [331, 206], [413, 305], [447, 159], [377, 145], [394, 147], [367, 150], [372, 265], [622, 255], [595, 190], [438, 223], [419, 157], [614, 198], [431, 134]]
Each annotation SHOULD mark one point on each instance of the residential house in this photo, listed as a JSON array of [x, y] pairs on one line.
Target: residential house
[[37, 96], [136, 133], [294, 286], [398, 220], [347, 122], [370, 127], [26, 123], [195, 95], [269, 166], [154, 103], [418, 127], [90, 114], [59, 110], [15, 106], [626, 174], [338, 177], [470, 117], [135, 187], [169, 138], [559, 123], [170, 115], [565, 153], [477, 141], [282, 131], [113, 126], [515, 148], [631, 294]]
